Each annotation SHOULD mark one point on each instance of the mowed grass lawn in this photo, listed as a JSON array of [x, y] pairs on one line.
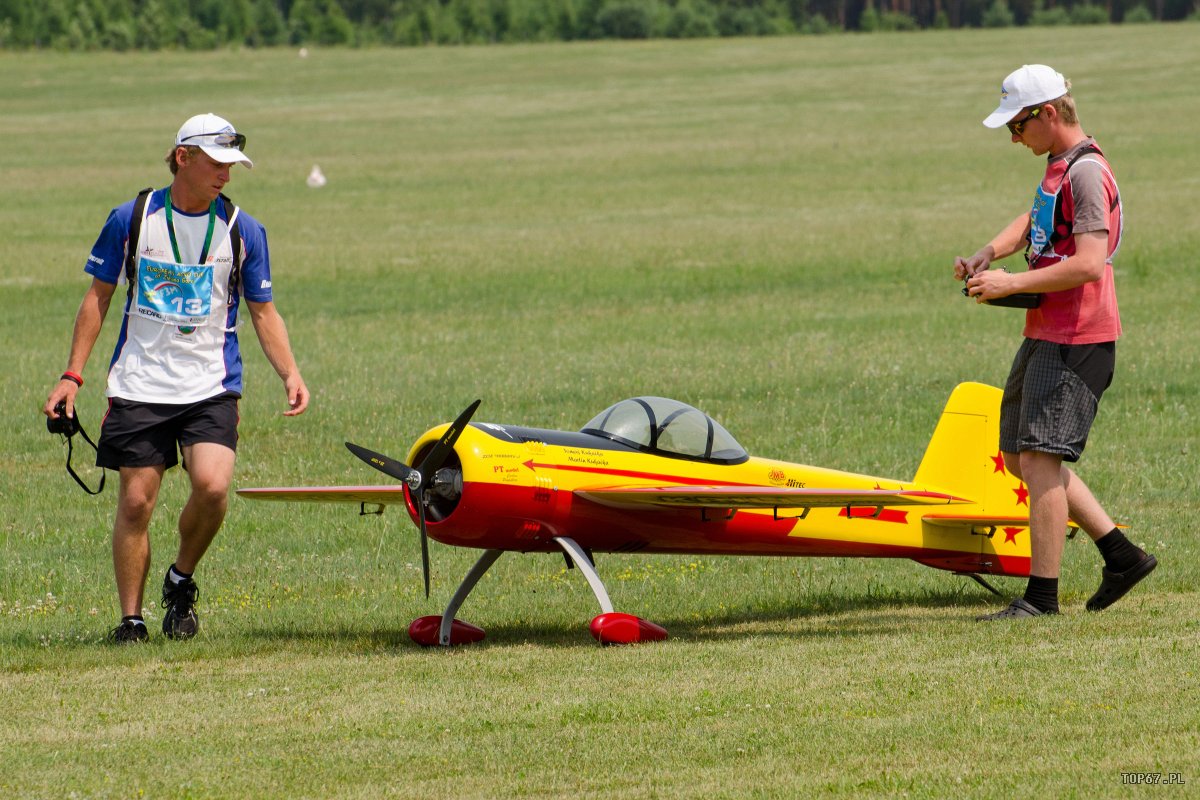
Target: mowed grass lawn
[[762, 228]]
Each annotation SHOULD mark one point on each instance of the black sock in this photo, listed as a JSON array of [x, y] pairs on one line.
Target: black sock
[[1119, 553], [134, 618], [1042, 594]]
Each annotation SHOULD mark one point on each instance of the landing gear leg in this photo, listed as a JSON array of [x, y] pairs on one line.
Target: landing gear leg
[[448, 629], [585, 565], [979, 579], [610, 627]]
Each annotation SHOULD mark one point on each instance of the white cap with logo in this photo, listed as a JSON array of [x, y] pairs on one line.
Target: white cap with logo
[[216, 137], [1031, 85]]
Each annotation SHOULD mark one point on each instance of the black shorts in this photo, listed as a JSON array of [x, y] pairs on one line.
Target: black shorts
[[137, 434], [1052, 396]]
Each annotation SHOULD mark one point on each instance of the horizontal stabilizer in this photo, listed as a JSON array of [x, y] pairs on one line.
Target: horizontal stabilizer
[[763, 497], [381, 495]]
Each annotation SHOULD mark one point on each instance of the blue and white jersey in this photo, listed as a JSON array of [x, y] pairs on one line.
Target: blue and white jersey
[[178, 340]]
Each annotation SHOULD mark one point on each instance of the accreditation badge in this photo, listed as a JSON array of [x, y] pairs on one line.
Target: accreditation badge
[[174, 294], [1041, 220]]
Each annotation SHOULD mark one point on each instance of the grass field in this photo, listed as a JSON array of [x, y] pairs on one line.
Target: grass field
[[762, 228]]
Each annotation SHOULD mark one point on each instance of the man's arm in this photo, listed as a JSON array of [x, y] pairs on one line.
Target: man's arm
[[1005, 243], [273, 336], [1087, 265], [88, 321]]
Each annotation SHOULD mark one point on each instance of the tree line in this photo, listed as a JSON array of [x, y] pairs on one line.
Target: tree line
[[207, 24]]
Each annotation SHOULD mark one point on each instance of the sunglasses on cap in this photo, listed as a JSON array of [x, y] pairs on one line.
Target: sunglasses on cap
[[237, 140], [1017, 127]]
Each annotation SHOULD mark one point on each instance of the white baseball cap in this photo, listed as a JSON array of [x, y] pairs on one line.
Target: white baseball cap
[[1031, 85], [216, 137]]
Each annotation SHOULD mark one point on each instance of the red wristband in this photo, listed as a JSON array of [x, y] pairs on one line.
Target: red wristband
[[71, 376]]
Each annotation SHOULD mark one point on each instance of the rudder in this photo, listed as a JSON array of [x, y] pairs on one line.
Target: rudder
[[963, 459], [963, 456]]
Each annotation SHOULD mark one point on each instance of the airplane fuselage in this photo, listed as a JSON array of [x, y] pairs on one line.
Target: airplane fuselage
[[522, 487]]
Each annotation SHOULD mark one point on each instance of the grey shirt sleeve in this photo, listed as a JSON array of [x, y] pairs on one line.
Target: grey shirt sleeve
[[1091, 201]]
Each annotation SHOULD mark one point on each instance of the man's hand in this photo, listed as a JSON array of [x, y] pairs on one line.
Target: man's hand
[[991, 284], [297, 394], [273, 338], [63, 392], [966, 267]]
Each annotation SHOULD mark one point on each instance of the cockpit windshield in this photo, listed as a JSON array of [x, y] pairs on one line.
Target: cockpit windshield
[[669, 428]]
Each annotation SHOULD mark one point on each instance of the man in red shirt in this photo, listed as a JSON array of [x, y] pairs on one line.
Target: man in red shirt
[[1067, 359]]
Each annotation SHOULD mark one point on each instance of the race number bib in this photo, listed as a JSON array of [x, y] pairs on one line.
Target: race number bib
[[1041, 221], [175, 294]]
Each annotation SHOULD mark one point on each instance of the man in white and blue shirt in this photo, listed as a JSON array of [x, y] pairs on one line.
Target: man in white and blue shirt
[[176, 373]]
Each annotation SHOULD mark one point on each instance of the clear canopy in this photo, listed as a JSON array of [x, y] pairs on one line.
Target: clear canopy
[[667, 427]]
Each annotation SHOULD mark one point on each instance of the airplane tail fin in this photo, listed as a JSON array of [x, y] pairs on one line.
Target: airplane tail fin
[[963, 459], [961, 456]]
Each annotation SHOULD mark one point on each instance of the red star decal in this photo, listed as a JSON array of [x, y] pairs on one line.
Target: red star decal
[[1010, 535], [998, 460], [1022, 495]]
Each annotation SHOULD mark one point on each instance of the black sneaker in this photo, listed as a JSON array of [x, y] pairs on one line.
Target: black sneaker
[[179, 612], [128, 632], [1114, 585], [1019, 608]]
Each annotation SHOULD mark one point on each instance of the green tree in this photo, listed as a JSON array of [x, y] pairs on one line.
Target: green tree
[[525, 20], [154, 27], [235, 22], [1049, 17], [335, 27], [998, 15], [1138, 15], [478, 21], [626, 19], [1088, 14], [269, 27], [868, 21], [692, 19]]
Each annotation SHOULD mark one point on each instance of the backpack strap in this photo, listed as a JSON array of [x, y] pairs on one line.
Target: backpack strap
[[235, 244], [1062, 227], [135, 231]]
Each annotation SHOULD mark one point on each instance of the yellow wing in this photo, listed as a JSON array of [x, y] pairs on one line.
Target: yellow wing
[[381, 495]]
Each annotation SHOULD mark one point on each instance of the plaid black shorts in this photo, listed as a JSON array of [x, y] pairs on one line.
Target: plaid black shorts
[[137, 434], [1052, 394]]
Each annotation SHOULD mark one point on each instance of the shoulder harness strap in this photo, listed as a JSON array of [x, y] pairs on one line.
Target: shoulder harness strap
[[235, 243], [1062, 226], [135, 232]]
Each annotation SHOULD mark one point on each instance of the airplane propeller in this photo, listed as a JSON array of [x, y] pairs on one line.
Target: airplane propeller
[[421, 481]]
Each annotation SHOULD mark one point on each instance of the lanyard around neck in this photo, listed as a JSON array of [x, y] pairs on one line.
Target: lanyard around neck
[[212, 220]]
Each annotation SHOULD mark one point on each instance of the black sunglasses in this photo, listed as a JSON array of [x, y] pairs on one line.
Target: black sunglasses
[[1017, 127], [237, 140]]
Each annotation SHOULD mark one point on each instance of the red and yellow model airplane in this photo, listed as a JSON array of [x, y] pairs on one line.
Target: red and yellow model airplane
[[652, 475]]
